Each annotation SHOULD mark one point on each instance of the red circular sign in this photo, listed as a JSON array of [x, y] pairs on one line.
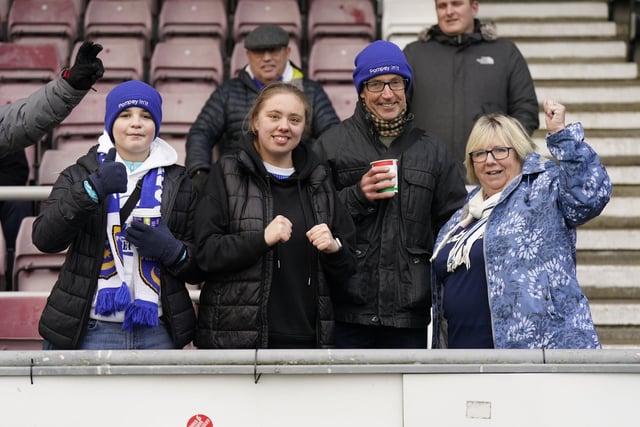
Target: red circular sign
[[200, 420]]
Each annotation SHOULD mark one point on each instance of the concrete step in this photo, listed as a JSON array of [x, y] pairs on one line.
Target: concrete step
[[554, 11], [619, 337], [584, 71], [569, 49], [617, 322], [600, 94], [610, 281], [622, 207], [624, 175], [554, 30], [602, 120], [616, 313], [613, 151], [608, 240]]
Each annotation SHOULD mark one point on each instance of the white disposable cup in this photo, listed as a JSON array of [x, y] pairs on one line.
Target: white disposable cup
[[392, 164], [147, 216]]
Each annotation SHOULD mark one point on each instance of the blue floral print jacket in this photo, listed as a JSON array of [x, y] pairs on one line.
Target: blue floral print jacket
[[530, 249]]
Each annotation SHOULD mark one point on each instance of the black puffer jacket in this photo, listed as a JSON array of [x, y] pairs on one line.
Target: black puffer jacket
[[394, 237], [231, 218], [222, 119], [71, 219]]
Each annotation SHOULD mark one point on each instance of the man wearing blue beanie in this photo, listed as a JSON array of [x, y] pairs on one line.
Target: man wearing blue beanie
[[386, 304], [125, 212]]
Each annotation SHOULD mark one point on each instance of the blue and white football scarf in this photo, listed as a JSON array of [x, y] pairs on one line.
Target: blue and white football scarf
[[127, 282]]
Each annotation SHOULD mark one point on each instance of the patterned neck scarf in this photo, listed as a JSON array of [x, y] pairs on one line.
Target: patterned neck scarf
[[386, 128], [465, 233]]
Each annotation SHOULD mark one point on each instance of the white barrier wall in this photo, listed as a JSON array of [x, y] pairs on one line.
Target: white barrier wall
[[314, 388]]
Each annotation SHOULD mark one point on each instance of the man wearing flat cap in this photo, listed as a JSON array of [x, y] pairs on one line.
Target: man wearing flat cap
[[221, 121]]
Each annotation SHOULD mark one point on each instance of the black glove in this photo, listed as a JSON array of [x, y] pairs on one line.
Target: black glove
[[155, 242], [88, 67], [111, 177], [199, 179]]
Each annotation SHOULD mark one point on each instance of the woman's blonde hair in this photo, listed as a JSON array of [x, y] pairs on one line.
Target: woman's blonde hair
[[497, 127]]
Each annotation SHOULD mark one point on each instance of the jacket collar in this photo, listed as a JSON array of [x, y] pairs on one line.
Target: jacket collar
[[481, 32]]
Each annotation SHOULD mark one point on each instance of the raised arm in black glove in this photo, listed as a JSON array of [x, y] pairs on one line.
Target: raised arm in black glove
[[88, 67], [155, 242], [111, 177]]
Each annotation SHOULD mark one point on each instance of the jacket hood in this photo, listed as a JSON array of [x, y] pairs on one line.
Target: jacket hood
[[482, 31]]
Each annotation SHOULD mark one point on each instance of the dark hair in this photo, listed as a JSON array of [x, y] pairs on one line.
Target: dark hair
[[277, 88]]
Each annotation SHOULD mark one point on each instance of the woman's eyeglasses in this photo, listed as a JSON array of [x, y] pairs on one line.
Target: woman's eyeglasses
[[498, 153]]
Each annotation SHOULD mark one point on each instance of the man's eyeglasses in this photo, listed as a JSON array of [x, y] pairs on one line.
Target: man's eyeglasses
[[498, 153], [378, 85]]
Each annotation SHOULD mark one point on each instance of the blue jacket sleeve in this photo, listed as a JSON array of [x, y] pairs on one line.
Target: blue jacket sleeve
[[584, 185]]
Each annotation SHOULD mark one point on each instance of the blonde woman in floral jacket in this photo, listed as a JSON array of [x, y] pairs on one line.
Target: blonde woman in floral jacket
[[504, 266]]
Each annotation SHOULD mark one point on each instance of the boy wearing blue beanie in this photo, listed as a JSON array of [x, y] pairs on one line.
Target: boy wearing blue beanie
[[127, 278], [386, 304], [132, 93]]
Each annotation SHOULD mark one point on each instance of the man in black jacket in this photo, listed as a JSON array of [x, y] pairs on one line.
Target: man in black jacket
[[222, 119], [386, 303]]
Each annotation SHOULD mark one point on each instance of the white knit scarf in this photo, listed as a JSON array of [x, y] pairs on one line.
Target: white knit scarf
[[127, 282], [464, 235]]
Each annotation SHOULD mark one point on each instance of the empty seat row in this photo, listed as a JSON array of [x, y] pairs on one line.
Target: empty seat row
[[32, 19]]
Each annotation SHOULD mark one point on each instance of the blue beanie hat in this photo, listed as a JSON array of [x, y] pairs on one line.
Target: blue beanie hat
[[132, 93], [380, 57]]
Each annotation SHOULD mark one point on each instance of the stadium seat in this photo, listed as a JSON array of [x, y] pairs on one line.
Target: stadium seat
[[13, 91], [402, 22], [343, 97], [86, 121], [239, 57], [194, 18], [19, 317], [252, 13], [180, 110], [44, 22], [337, 18], [197, 60], [179, 144], [122, 58], [52, 163], [20, 62], [34, 270], [331, 58], [128, 19]]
